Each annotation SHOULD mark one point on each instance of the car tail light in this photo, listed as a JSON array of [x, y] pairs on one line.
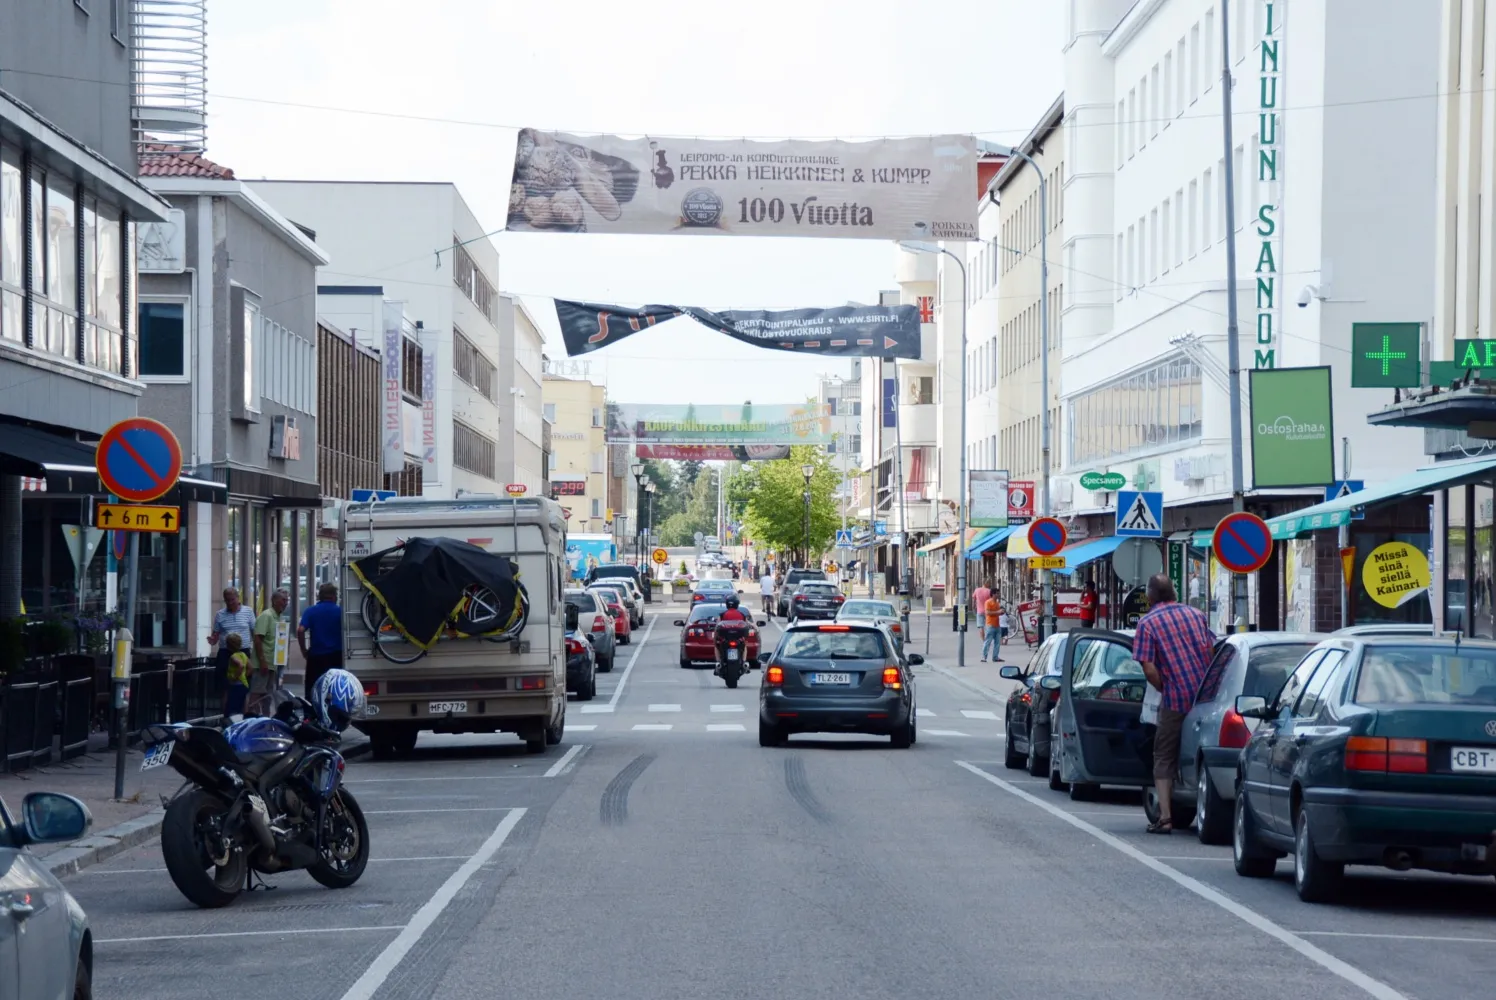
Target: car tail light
[[732, 645], [573, 647], [836, 628], [891, 678], [1377, 753], [774, 676], [1026, 697], [799, 598], [530, 683], [371, 688], [896, 628], [838, 598], [1234, 732], [598, 624]]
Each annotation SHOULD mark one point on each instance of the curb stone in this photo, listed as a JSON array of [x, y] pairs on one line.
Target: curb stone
[[105, 844], [981, 690]]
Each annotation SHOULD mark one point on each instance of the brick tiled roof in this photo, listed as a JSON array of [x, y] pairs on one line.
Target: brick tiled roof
[[158, 160]]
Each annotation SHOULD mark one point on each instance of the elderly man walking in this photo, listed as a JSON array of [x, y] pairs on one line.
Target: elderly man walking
[[1174, 644]]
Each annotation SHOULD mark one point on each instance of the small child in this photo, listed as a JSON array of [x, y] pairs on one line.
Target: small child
[[238, 676]]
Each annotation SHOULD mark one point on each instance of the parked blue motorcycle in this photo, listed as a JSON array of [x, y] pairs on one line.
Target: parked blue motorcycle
[[263, 796]]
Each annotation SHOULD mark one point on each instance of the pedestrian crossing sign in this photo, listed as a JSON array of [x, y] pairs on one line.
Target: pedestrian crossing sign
[[844, 538], [1140, 514]]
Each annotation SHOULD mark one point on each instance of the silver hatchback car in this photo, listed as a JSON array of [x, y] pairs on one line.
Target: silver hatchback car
[[45, 949]]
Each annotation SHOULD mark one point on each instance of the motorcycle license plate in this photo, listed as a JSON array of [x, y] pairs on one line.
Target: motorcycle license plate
[[732, 654], [157, 755], [443, 707]]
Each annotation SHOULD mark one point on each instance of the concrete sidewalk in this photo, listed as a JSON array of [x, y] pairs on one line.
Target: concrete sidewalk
[[118, 824], [978, 677]]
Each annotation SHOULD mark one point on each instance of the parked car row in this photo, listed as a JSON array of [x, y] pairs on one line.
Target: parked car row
[[1374, 745], [606, 614]]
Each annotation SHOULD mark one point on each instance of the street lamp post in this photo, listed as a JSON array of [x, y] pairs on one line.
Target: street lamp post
[[807, 470], [638, 470], [961, 595], [649, 488]]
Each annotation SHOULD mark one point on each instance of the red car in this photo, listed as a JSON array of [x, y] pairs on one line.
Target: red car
[[622, 628], [696, 637]]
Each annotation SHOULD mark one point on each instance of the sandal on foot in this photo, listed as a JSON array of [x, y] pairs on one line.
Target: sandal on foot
[[1162, 826]]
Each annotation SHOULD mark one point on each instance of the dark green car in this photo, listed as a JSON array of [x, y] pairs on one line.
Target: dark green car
[[1378, 750]]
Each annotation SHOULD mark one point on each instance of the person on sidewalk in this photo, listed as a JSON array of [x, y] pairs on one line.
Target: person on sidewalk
[[237, 690], [231, 619], [1088, 605], [979, 597], [267, 640], [1174, 645], [992, 617], [324, 649]]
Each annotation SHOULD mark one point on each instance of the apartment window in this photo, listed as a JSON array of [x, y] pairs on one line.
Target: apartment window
[[1131, 126], [1207, 211], [1206, 59], [472, 451], [599, 462], [1239, 34], [473, 367], [12, 248], [597, 416], [1167, 243], [1178, 237], [466, 276], [117, 20], [1192, 234], [410, 367], [1181, 76], [1155, 257], [1155, 407], [856, 407], [597, 507], [549, 409], [288, 365], [1168, 88], [163, 339], [1155, 98], [856, 444], [251, 357], [1194, 61], [1241, 186]]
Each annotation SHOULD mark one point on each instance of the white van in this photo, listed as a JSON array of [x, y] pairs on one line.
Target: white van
[[461, 685]]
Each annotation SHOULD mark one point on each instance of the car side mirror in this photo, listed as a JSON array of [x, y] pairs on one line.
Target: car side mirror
[[681, 622], [1010, 673], [50, 818], [740, 590], [916, 660], [573, 617], [1251, 707], [1050, 683], [764, 658]]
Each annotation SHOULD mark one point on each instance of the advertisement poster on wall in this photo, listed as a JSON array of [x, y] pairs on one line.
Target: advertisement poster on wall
[[393, 406], [1293, 430], [917, 188], [989, 498]]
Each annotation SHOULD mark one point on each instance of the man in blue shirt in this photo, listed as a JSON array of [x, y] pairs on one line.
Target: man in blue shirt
[[320, 635]]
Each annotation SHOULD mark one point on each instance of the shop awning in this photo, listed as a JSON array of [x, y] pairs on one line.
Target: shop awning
[[936, 545], [66, 466], [1334, 513], [1089, 551], [1203, 539], [991, 540], [1182, 536], [1018, 546]]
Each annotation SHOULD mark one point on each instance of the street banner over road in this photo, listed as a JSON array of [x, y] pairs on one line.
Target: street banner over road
[[741, 424], [885, 189], [841, 331], [714, 452]]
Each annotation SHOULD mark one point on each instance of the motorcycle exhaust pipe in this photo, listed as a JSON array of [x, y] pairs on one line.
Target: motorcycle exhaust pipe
[[259, 824]]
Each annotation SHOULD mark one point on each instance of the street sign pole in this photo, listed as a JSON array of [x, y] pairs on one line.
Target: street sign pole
[[1233, 331], [1345, 536], [122, 670]]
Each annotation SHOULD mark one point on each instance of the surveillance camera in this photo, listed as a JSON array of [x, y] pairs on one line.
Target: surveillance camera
[[1304, 298]]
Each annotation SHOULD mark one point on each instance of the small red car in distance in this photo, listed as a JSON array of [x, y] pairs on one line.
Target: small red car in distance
[[697, 643], [622, 627]]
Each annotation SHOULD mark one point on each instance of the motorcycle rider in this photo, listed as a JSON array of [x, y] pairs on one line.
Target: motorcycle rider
[[732, 614]]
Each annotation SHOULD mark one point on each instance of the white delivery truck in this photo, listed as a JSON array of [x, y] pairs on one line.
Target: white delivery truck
[[515, 683]]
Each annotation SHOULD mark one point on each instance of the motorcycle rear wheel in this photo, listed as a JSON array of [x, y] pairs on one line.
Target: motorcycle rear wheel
[[188, 858], [351, 858]]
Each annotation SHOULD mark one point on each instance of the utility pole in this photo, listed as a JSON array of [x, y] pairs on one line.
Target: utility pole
[[1233, 338], [904, 561]]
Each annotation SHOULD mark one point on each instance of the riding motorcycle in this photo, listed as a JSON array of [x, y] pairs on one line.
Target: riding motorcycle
[[731, 641], [263, 796]]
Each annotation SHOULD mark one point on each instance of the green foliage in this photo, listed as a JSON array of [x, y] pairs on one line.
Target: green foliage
[[775, 496]]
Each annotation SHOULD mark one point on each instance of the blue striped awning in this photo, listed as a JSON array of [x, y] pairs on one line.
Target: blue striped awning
[[989, 541]]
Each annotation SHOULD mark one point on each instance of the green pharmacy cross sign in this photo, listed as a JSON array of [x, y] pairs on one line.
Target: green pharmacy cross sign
[[1385, 355]]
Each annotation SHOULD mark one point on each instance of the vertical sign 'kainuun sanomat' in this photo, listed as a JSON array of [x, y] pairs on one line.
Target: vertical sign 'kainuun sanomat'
[[1268, 223]]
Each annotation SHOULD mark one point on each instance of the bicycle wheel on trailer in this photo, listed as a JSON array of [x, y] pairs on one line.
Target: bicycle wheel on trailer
[[393, 646]]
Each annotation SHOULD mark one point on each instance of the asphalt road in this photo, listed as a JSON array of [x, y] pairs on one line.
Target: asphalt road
[[660, 853]]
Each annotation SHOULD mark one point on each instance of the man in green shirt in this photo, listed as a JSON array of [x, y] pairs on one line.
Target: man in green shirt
[[267, 674]]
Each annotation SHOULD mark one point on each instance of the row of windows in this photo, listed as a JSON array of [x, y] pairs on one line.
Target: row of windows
[[843, 407], [412, 367], [1021, 445], [473, 367], [290, 367], [1184, 224], [854, 445], [1020, 230], [1022, 335], [473, 451], [78, 251], [466, 276], [1158, 406], [1185, 73]]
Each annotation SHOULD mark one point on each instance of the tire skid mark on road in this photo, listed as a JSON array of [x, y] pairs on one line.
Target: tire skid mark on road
[[799, 787], [613, 810]]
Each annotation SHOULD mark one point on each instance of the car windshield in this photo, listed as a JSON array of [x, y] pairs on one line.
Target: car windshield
[[1268, 668], [704, 611], [822, 645], [1427, 675], [715, 585], [615, 571], [867, 609]]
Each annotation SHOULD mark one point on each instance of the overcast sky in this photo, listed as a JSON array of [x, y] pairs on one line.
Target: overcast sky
[[776, 68]]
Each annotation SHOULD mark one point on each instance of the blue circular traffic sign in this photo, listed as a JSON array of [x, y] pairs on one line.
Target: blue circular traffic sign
[[138, 459], [119, 544], [1046, 536], [1242, 542]]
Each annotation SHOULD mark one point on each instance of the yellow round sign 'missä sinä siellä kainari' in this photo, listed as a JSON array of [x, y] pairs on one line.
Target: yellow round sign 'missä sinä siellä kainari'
[[1395, 573]]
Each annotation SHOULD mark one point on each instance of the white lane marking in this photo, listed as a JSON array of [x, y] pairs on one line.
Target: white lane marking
[[974, 713], [657, 727], [1317, 955], [725, 727], [618, 691], [943, 732], [595, 709], [664, 708], [401, 812], [232, 934], [727, 708], [574, 728], [389, 960], [924, 713], [560, 765], [1399, 937]]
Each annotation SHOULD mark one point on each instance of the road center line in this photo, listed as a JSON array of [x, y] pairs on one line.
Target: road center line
[[233, 934], [1351, 974], [1400, 937], [560, 765], [618, 691], [394, 952]]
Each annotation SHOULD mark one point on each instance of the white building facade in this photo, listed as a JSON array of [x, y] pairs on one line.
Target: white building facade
[[1323, 132]]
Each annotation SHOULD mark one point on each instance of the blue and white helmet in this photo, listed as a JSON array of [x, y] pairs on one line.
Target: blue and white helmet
[[337, 698]]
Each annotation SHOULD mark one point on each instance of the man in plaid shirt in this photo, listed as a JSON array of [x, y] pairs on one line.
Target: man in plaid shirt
[[1174, 644]]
